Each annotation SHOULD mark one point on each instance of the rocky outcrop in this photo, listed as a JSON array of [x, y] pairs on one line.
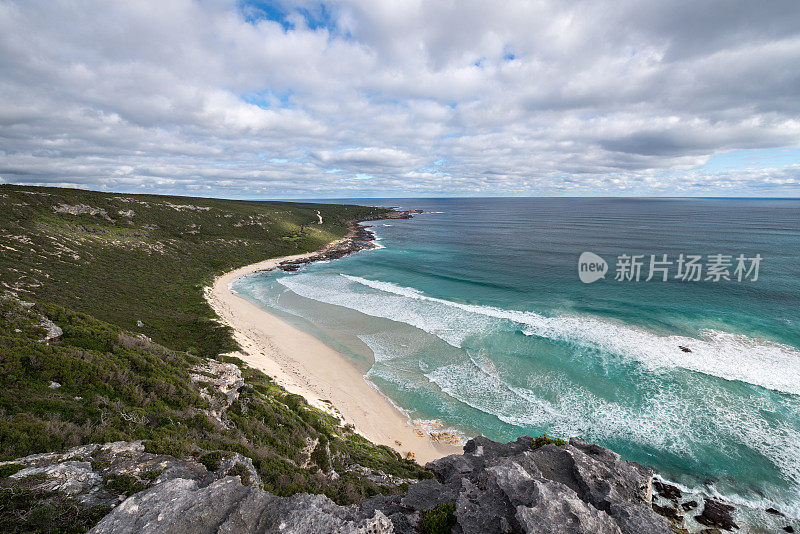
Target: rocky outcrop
[[82, 209], [570, 488], [717, 514], [226, 506], [220, 384], [24, 314], [358, 238], [504, 488], [52, 330], [105, 474]]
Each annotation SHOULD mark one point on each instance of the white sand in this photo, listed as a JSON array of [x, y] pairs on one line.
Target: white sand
[[306, 366]]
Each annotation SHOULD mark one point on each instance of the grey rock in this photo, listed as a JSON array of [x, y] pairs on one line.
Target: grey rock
[[225, 379], [557, 509], [717, 514], [636, 518], [428, 494], [80, 209], [123, 447], [82, 473], [498, 488], [53, 331], [67, 477], [607, 478], [516, 480], [451, 468], [481, 509], [579, 487], [227, 465], [316, 513], [226, 506], [404, 518], [177, 505]]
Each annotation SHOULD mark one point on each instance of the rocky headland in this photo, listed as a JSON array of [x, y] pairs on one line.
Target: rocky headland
[[492, 487], [358, 238]]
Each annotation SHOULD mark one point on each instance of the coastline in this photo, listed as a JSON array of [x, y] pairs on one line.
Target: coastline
[[304, 365]]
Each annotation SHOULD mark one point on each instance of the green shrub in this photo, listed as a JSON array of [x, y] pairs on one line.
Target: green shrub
[[542, 440], [320, 457], [242, 472], [438, 520], [34, 511], [172, 447], [150, 267], [212, 460], [9, 469], [125, 484], [151, 475]]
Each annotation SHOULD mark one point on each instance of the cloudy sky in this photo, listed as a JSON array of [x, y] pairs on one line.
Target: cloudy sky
[[358, 98]]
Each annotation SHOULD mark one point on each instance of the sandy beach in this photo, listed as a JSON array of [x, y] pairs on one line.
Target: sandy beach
[[306, 366]]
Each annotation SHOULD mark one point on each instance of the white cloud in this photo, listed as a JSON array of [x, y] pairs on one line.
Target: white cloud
[[527, 98]]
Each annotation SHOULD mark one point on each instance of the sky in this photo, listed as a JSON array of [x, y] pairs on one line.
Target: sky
[[402, 98]]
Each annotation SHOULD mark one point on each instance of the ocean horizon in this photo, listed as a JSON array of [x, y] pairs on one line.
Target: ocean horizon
[[472, 317]]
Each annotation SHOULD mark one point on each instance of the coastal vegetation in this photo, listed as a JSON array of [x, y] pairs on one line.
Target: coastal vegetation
[[543, 440], [438, 520], [141, 261], [98, 383], [138, 355]]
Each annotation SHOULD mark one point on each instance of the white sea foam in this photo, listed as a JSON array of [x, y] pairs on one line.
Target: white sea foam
[[721, 354], [668, 418], [665, 421], [477, 383]]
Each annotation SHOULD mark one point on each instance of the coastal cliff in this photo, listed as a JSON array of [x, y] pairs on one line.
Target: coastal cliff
[[505, 488], [358, 238]]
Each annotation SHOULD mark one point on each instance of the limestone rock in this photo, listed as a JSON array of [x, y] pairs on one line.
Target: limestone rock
[[226, 506], [67, 477], [500, 488], [577, 487]]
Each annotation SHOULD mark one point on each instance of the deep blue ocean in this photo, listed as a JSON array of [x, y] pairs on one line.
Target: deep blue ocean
[[473, 317]]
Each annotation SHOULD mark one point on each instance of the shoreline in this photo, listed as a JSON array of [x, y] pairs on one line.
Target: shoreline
[[304, 365]]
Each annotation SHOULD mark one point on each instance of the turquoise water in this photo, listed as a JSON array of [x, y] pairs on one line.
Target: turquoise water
[[474, 316]]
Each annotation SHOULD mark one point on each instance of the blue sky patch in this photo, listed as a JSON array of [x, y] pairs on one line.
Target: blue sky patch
[[316, 17], [758, 158], [267, 99]]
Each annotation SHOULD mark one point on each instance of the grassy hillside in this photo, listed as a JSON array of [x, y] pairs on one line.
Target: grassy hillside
[[95, 264], [127, 258], [99, 383]]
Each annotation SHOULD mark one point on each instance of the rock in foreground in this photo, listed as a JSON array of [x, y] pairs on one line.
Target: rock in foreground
[[574, 488]]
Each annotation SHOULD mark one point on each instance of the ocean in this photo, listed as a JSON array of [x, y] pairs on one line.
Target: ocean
[[473, 317]]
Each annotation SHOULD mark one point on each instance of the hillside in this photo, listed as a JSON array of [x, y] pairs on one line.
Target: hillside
[[119, 280], [143, 259], [96, 383]]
